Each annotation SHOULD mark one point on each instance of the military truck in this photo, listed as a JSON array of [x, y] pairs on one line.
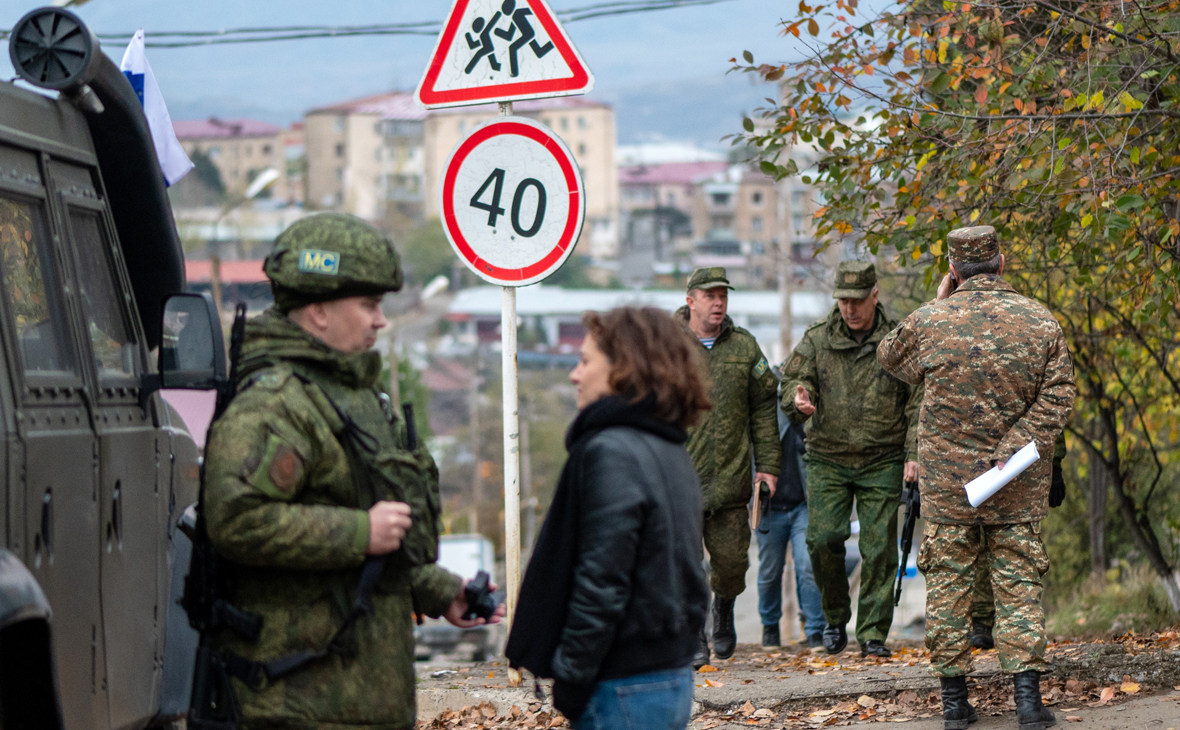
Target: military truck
[[95, 467]]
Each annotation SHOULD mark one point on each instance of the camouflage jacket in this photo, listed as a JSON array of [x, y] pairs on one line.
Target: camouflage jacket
[[998, 375], [743, 417], [282, 505], [863, 414]]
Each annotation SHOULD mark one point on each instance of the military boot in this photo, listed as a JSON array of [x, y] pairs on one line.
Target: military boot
[[981, 635], [701, 658], [957, 712], [724, 633], [835, 638], [770, 636], [1030, 713]]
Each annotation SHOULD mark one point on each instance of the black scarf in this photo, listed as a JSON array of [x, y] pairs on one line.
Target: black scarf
[[548, 581]]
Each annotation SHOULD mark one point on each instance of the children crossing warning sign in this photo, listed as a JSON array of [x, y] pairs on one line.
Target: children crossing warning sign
[[502, 50]]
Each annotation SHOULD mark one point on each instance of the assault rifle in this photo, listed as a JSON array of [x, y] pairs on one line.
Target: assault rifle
[[913, 510], [214, 705]]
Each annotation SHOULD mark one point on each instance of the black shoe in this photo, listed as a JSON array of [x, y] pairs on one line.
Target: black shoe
[[815, 641], [875, 647], [957, 712], [701, 658], [981, 635], [724, 634], [835, 639], [1030, 713], [770, 636]]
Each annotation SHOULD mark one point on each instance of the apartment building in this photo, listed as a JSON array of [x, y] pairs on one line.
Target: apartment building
[[735, 224], [241, 149], [367, 157]]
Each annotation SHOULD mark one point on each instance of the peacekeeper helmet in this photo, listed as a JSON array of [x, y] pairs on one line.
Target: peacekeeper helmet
[[854, 279], [330, 256], [973, 245]]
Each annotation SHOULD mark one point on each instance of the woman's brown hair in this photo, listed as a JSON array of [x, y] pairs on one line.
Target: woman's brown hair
[[652, 355]]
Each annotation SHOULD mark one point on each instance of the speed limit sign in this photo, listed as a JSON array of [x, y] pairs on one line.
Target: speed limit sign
[[512, 201]]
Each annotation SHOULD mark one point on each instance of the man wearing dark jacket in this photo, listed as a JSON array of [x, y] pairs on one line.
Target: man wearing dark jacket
[[786, 524]]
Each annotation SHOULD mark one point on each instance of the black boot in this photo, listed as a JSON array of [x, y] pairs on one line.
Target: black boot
[[701, 658], [770, 636], [835, 638], [957, 712], [724, 634], [1030, 713], [981, 635]]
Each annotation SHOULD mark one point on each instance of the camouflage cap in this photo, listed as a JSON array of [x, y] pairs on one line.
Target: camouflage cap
[[972, 245], [708, 278], [855, 279], [331, 256]]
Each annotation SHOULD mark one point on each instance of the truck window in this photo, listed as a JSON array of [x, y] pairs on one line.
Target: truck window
[[114, 349], [29, 277]]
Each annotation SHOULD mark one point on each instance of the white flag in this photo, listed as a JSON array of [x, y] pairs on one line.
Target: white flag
[[173, 161]]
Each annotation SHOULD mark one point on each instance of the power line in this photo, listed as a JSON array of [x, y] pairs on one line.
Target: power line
[[191, 38]]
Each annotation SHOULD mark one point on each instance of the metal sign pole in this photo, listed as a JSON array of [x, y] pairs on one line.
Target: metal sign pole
[[511, 447]]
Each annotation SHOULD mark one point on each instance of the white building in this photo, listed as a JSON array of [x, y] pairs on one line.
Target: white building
[[555, 313]]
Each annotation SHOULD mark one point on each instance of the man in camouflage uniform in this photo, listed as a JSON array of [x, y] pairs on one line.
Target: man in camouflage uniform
[[309, 473], [997, 376], [743, 418], [861, 444]]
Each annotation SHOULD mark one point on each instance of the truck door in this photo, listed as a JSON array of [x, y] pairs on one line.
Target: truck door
[[60, 478], [130, 529]]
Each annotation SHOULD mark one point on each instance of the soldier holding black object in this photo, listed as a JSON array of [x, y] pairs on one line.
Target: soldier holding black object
[[861, 444], [310, 473], [742, 419], [997, 376]]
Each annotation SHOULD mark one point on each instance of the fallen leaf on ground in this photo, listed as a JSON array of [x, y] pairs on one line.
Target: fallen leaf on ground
[[866, 701], [1129, 687], [1106, 696], [1073, 718], [708, 668], [711, 683], [747, 709]]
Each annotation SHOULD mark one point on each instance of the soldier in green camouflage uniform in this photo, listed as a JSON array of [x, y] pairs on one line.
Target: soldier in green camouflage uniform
[[742, 420], [297, 509], [861, 439], [997, 375]]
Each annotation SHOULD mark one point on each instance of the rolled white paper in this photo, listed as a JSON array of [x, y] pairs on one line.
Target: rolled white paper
[[981, 488]]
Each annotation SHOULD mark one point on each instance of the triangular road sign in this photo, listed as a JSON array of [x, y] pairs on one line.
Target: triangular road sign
[[502, 50]]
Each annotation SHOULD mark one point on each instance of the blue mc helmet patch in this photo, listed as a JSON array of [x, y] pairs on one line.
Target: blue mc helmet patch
[[312, 261]]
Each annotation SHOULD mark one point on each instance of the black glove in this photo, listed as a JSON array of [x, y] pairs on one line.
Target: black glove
[[1057, 486], [571, 698]]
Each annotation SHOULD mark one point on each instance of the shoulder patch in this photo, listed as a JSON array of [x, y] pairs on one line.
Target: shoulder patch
[[794, 364], [269, 379], [313, 261], [761, 368]]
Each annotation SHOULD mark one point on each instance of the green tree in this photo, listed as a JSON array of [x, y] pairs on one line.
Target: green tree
[[426, 252], [1057, 123]]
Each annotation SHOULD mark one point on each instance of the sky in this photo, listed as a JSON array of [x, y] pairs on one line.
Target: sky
[[664, 71]]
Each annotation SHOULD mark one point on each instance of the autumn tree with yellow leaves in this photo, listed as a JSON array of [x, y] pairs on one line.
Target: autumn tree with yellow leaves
[[1059, 124]]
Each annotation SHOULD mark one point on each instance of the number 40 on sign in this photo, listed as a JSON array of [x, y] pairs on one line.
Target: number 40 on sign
[[512, 201]]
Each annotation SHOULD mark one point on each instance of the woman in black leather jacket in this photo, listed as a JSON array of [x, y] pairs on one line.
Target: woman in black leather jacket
[[614, 597]]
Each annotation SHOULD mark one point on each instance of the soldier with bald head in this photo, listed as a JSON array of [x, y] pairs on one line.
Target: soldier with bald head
[[997, 376]]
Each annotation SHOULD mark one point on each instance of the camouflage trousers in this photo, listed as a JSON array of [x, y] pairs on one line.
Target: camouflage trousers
[[949, 559], [830, 493], [727, 538]]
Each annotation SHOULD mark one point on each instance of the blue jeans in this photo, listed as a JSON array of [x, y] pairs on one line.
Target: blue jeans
[[787, 527], [655, 701]]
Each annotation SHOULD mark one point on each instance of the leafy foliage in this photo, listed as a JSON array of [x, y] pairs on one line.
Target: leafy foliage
[[1057, 123]]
